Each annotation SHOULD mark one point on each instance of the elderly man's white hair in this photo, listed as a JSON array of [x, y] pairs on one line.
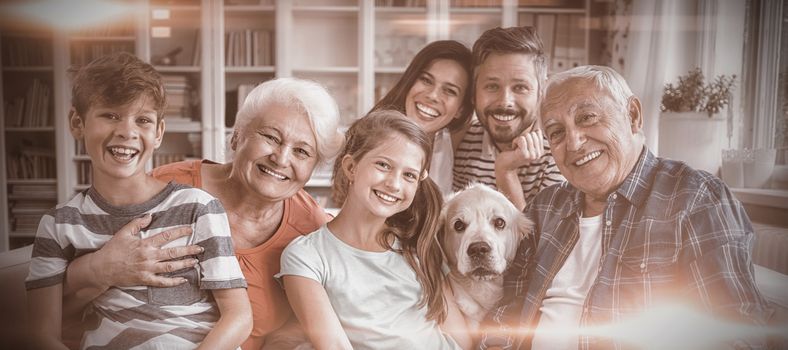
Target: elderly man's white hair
[[603, 77], [303, 95]]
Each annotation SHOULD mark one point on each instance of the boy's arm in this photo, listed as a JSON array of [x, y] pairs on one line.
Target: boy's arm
[[44, 309], [125, 260], [235, 322], [312, 307]]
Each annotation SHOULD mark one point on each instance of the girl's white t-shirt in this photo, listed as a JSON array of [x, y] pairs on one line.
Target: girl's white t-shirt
[[374, 294]]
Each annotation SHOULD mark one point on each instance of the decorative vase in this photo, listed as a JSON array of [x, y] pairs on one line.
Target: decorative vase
[[732, 169], [758, 167], [693, 138]]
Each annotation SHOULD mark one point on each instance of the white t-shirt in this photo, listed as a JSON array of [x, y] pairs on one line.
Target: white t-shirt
[[442, 163], [562, 305], [374, 294]]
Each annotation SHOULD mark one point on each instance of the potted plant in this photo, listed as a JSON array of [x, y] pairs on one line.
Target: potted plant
[[691, 128]]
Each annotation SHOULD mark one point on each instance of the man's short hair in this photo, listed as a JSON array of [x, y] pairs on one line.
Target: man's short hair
[[115, 80], [603, 77], [522, 40]]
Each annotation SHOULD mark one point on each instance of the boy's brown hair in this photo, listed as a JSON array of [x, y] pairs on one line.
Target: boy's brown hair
[[115, 80]]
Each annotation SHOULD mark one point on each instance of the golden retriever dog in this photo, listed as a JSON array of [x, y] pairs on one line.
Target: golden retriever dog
[[480, 232]]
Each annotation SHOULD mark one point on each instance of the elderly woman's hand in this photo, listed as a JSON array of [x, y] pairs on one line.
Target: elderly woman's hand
[[127, 260]]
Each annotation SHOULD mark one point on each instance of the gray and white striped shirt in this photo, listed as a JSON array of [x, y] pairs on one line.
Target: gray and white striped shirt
[[474, 161], [141, 316]]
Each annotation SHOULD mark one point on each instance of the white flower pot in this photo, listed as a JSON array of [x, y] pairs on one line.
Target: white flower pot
[[692, 137], [758, 169]]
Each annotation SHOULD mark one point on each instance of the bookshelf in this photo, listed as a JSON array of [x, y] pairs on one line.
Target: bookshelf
[[212, 53], [27, 133]]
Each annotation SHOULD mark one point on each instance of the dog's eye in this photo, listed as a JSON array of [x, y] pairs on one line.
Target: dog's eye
[[459, 226], [499, 223]]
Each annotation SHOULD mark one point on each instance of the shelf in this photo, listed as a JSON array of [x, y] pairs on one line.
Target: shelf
[[116, 38], [28, 69], [556, 10], [318, 181], [399, 9], [240, 70], [32, 181], [81, 157], [249, 8], [30, 128], [390, 70], [182, 126], [22, 234], [476, 10], [324, 9], [178, 69], [326, 70], [183, 8], [765, 197], [52, 197]]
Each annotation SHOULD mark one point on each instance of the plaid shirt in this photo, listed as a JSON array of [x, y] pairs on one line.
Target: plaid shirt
[[669, 232]]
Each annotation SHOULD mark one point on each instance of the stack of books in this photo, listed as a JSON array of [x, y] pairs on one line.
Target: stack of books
[[84, 172], [249, 48], [27, 204], [84, 52], [27, 51], [32, 109], [178, 98], [31, 163]]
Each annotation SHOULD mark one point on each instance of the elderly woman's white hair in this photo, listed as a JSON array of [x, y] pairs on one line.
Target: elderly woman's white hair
[[605, 78], [306, 96]]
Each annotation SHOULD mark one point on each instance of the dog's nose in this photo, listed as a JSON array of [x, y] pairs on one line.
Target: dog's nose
[[478, 249]]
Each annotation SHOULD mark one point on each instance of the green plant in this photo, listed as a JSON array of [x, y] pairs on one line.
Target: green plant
[[692, 95]]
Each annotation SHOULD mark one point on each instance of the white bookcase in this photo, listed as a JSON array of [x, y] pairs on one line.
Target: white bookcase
[[213, 52]]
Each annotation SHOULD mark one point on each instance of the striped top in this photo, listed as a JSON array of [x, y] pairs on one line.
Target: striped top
[[140, 316], [474, 161]]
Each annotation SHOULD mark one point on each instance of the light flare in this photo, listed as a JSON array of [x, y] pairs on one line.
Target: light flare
[[672, 326], [69, 15]]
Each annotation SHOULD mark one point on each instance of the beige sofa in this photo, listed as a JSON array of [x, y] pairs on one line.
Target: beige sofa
[[13, 270], [14, 265]]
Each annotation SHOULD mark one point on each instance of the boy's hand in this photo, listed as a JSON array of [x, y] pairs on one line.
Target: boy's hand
[[127, 260]]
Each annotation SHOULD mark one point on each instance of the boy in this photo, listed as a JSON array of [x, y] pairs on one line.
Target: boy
[[117, 108]]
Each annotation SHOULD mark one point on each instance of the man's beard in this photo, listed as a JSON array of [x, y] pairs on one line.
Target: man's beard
[[506, 134]]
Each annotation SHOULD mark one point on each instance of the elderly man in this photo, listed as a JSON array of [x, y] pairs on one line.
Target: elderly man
[[627, 234], [504, 148]]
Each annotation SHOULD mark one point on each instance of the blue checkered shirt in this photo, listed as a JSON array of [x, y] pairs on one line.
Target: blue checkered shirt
[[670, 232]]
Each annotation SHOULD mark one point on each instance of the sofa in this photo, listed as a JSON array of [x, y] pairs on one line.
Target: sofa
[[14, 267]]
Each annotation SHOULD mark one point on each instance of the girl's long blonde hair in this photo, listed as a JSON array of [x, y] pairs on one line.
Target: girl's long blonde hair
[[417, 226]]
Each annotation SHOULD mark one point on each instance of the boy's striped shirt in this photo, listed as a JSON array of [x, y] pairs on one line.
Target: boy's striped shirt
[[143, 316]]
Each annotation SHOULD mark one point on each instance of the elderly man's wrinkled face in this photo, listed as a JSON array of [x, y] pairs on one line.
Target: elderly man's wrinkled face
[[506, 95], [594, 140], [276, 152]]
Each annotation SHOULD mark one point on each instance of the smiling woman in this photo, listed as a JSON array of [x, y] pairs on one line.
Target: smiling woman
[[284, 129], [434, 92]]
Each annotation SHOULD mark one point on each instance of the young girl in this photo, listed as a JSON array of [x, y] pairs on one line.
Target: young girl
[[369, 279], [434, 92]]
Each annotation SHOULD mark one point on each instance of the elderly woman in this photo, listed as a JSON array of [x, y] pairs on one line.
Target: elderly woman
[[283, 130]]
